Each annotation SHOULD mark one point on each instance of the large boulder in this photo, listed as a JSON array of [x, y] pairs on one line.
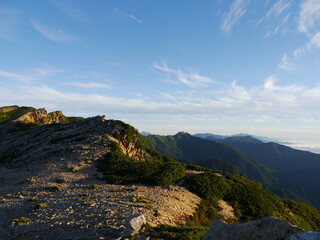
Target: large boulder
[[135, 222], [260, 229]]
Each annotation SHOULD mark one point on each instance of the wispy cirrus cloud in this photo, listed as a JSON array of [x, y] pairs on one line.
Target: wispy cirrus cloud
[[309, 15], [56, 35], [278, 8], [9, 19], [287, 63], [190, 79], [314, 42], [14, 76], [87, 84], [277, 17], [45, 70], [32, 74], [115, 64], [70, 8], [236, 12], [130, 16]]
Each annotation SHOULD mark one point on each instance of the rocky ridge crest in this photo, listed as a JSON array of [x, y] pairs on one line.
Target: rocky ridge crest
[[48, 175]]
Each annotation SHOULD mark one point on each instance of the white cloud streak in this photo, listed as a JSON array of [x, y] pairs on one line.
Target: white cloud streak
[[69, 7], [52, 34], [132, 17], [287, 64], [33, 74], [14, 76], [87, 85], [314, 41], [278, 8], [270, 100], [236, 12], [309, 15], [190, 79]]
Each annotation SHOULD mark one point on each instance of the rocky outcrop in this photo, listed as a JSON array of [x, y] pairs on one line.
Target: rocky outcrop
[[261, 229], [130, 148], [305, 236], [93, 135], [41, 117]]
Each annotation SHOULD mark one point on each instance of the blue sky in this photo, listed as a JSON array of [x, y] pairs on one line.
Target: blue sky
[[165, 66]]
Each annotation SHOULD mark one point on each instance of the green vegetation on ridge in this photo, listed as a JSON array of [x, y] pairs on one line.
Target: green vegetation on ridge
[[155, 169], [249, 200], [10, 112]]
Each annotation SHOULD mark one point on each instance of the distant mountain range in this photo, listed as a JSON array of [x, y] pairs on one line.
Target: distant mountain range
[[219, 156], [298, 170], [278, 167], [261, 138]]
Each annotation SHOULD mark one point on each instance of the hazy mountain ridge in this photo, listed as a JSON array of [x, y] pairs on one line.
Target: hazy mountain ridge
[[214, 155], [263, 139], [297, 169]]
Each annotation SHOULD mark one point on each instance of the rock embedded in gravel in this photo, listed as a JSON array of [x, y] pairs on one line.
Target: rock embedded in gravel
[[135, 222]]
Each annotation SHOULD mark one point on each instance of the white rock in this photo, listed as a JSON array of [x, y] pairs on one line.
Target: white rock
[[135, 222]]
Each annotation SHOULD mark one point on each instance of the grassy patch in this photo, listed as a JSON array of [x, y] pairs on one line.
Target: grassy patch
[[75, 169], [21, 221], [40, 206], [34, 199], [140, 199], [166, 232]]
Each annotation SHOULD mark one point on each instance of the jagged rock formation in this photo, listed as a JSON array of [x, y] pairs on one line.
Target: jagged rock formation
[[129, 147], [41, 117], [261, 229]]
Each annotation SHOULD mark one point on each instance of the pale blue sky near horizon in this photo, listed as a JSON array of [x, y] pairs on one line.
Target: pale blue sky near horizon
[[224, 67]]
